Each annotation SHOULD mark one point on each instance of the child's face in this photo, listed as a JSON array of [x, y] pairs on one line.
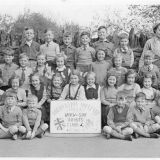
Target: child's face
[[124, 42], [90, 80], [23, 62], [35, 81], [111, 80], [131, 79], [11, 101], [60, 62], [15, 84], [67, 40], [85, 40], [121, 101], [100, 55], [49, 36], [140, 102], [29, 34], [118, 62], [102, 34], [32, 103], [74, 79], [148, 60], [8, 59], [57, 81], [41, 60], [147, 82]]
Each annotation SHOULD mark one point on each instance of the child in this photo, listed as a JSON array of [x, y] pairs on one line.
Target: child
[[108, 96], [50, 48], [125, 51], [118, 69], [54, 91], [148, 67], [92, 90], [73, 90], [43, 69], [130, 87], [141, 122], [84, 54], [7, 69], [62, 69], [100, 67], [29, 46], [32, 120], [11, 117], [103, 43], [68, 50], [24, 71], [15, 82], [118, 120], [150, 92], [38, 89]]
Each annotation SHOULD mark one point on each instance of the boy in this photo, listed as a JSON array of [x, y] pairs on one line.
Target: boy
[[24, 71], [50, 48], [30, 47], [84, 54], [11, 117], [148, 67], [141, 122], [7, 69], [32, 120], [103, 43], [68, 50], [118, 119]]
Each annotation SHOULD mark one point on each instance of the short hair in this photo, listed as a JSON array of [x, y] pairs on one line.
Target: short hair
[[140, 95], [61, 55], [155, 27], [123, 36], [91, 73], [75, 72], [57, 75], [85, 33], [102, 27], [98, 51], [23, 55], [130, 71], [67, 34], [14, 77], [48, 29], [8, 51], [41, 54], [29, 28], [148, 53], [121, 94], [32, 97], [11, 94]]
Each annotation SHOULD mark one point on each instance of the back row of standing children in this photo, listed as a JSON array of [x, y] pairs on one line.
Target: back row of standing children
[[48, 72]]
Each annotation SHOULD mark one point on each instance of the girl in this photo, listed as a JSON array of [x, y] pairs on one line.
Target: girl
[[43, 69], [15, 82], [125, 51], [108, 96], [38, 89], [130, 87], [92, 90], [118, 69], [62, 69], [100, 67], [73, 90], [55, 90], [150, 92]]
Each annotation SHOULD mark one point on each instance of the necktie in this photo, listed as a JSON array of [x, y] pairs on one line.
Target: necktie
[[23, 75], [149, 68]]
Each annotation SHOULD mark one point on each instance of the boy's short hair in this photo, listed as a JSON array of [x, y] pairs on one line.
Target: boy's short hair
[[8, 51], [85, 33], [11, 94], [23, 55], [102, 27], [123, 36], [67, 34], [41, 54], [121, 94], [155, 27], [140, 95], [75, 72], [48, 29], [32, 97], [148, 54], [29, 28]]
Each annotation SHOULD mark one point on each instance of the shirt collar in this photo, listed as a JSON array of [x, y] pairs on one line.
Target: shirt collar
[[61, 69], [149, 66], [29, 43], [48, 44], [124, 50], [105, 40], [23, 68], [92, 86], [85, 47], [32, 109], [140, 109], [10, 109]]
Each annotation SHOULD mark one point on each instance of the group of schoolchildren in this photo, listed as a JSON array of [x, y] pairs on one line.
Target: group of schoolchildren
[[130, 100]]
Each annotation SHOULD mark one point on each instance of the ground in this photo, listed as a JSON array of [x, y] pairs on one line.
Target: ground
[[97, 146]]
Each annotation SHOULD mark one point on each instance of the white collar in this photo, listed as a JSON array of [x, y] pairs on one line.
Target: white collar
[[48, 44], [61, 69], [11, 110], [93, 86], [29, 43]]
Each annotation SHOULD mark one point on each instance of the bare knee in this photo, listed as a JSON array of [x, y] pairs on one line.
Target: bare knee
[[44, 126], [133, 126], [13, 129], [107, 129], [22, 129]]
